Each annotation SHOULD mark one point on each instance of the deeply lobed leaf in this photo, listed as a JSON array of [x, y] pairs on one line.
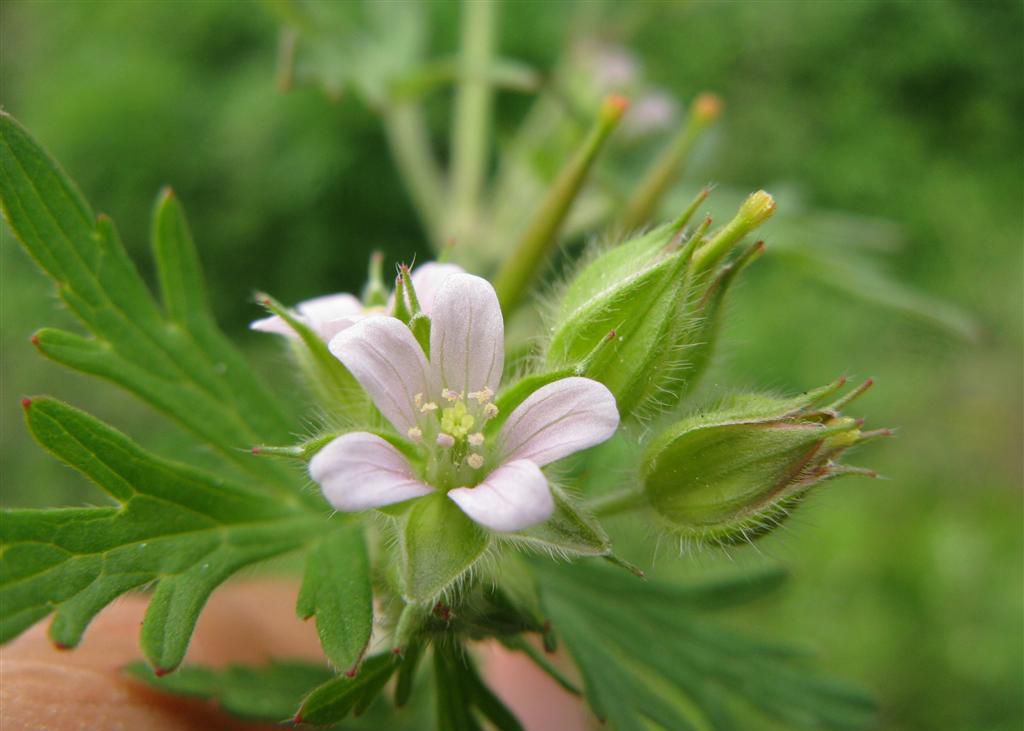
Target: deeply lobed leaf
[[173, 357], [182, 528], [648, 659]]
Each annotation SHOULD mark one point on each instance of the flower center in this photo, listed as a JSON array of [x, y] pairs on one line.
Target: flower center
[[456, 447]]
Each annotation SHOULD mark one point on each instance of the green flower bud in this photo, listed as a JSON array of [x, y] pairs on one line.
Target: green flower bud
[[661, 293], [731, 475]]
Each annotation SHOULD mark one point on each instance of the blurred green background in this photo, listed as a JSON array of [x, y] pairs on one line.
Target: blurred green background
[[911, 111]]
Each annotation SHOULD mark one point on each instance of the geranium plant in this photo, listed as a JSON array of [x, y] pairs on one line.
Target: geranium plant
[[451, 492]]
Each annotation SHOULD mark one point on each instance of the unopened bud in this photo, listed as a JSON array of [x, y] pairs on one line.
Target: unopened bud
[[732, 475]]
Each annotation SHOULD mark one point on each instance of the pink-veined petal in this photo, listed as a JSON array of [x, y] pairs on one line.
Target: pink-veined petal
[[359, 471], [558, 419], [513, 497], [467, 335], [387, 361], [427, 280]]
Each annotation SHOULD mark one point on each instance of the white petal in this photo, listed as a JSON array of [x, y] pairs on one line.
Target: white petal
[[558, 419], [467, 335], [387, 361], [427, 280], [276, 325], [360, 471], [513, 497]]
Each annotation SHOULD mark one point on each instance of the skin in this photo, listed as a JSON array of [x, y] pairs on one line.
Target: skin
[[46, 689]]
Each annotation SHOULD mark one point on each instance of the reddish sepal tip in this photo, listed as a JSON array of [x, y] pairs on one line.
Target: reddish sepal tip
[[62, 646], [351, 672], [256, 450], [297, 719], [397, 651], [35, 339], [25, 403], [161, 672]]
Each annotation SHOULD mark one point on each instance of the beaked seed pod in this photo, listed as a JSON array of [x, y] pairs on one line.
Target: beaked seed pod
[[731, 475]]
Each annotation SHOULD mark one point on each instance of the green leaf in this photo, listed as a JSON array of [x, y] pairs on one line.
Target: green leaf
[[568, 532], [454, 711], [461, 691], [336, 588], [270, 693], [647, 656], [439, 546], [172, 357], [336, 698], [185, 529]]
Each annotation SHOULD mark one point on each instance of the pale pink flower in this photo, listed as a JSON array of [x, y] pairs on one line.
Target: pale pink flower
[[329, 315], [443, 403]]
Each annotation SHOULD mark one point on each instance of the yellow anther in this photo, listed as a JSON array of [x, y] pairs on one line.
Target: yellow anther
[[429, 406], [476, 461], [415, 433], [476, 439], [418, 400], [483, 395], [490, 411], [450, 395]]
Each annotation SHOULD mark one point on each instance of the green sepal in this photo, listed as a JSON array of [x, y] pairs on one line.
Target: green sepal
[[336, 588], [327, 376], [639, 291], [439, 546], [568, 532], [731, 474]]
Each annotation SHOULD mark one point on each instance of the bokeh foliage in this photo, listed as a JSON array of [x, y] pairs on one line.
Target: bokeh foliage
[[904, 111]]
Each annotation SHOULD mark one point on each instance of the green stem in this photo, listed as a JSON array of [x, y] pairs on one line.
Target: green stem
[[472, 114], [623, 501], [410, 145], [541, 235]]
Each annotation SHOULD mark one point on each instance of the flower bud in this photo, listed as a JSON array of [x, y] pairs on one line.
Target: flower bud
[[731, 475], [663, 309]]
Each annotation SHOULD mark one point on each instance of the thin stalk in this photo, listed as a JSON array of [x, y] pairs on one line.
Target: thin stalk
[[472, 114], [643, 205], [541, 235], [407, 137]]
